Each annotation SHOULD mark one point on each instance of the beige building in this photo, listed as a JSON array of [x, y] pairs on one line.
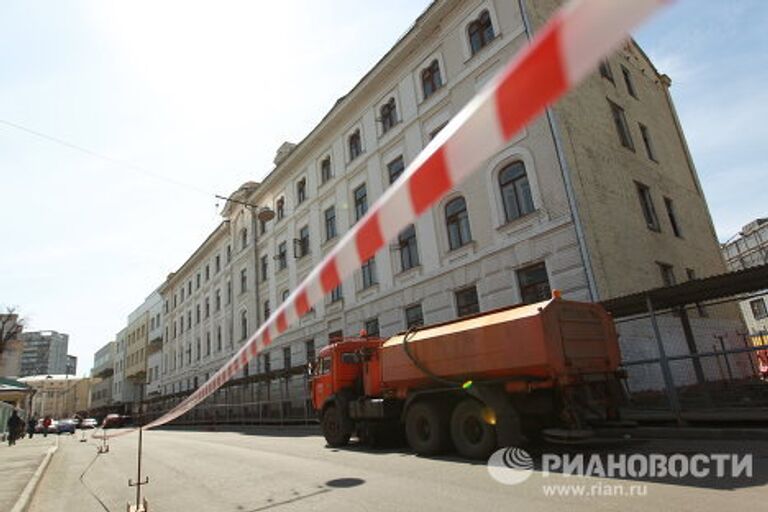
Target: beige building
[[59, 396], [597, 198]]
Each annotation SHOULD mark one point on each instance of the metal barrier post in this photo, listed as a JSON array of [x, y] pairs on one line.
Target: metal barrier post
[[669, 382]]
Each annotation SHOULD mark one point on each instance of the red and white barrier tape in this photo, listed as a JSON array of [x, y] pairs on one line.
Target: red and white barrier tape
[[562, 53]]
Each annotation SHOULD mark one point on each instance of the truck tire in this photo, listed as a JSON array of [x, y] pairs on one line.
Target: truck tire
[[426, 429], [334, 430], [472, 435]]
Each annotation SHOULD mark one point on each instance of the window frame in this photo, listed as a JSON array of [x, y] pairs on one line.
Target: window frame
[[647, 207], [622, 126], [431, 75], [469, 308], [483, 26], [531, 291], [514, 183], [459, 219]]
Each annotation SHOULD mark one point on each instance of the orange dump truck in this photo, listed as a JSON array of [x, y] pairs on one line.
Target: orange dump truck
[[493, 379]]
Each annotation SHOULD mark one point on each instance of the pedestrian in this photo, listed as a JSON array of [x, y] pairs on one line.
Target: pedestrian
[[14, 426], [46, 424], [31, 423]]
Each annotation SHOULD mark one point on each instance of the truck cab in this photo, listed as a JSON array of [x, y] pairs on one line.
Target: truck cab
[[339, 367]]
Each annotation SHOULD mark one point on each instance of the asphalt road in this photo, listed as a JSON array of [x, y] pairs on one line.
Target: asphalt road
[[273, 470]]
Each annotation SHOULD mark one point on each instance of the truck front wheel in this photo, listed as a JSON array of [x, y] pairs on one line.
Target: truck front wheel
[[472, 435], [333, 427], [425, 428]]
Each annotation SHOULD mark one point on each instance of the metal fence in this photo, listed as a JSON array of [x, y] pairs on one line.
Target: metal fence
[[694, 359], [278, 398]]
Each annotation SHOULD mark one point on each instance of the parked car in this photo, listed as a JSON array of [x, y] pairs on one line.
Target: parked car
[[112, 421], [89, 423], [53, 428], [67, 425]]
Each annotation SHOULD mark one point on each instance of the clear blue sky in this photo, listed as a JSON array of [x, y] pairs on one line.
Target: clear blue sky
[[201, 94]]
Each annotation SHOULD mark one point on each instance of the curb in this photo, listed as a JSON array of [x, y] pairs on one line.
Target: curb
[[693, 433], [22, 503]]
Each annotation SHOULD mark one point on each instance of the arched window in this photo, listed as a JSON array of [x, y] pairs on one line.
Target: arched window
[[244, 324], [480, 32], [457, 222], [388, 114], [355, 145], [515, 191], [431, 80]]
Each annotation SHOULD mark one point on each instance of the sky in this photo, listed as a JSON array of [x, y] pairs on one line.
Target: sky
[[166, 103]]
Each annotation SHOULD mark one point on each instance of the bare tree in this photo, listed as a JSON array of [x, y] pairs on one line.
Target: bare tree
[[10, 327]]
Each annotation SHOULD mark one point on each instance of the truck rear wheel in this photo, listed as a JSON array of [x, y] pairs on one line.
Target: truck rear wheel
[[334, 430], [472, 435], [426, 429]]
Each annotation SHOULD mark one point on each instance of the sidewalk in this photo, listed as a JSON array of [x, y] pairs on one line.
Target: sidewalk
[[18, 464]]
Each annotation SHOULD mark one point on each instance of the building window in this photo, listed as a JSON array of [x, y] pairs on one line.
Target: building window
[[395, 168], [229, 253], [673, 217], [267, 310], [287, 358], [330, 223], [361, 201], [280, 207], [218, 299], [515, 191], [243, 238], [388, 114], [207, 307], [326, 173], [309, 349], [534, 283], [414, 317], [355, 145], [197, 281], [337, 294], [267, 362], [647, 142], [372, 327], [301, 246], [457, 222], [218, 263], [369, 273], [409, 254], [229, 292], [646, 204], [431, 80], [622, 128], [480, 32], [667, 274], [243, 324], [243, 280], [207, 272], [208, 343], [282, 256], [284, 296], [467, 302], [759, 311], [262, 226], [301, 191], [218, 338], [606, 71], [264, 267], [197, 313], [189, 288], [628, 81]]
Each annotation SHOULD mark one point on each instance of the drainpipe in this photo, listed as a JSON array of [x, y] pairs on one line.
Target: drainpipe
[[566, 174]]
